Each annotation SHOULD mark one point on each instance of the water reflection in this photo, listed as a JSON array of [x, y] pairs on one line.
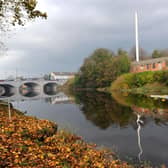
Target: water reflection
[[57, 98], [123, 111], [147, 107], [130, 122], [103, 111]]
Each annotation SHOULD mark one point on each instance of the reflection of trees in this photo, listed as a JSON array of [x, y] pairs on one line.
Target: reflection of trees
[[152, 109], [146, 102], [139, 100], [103, 110]]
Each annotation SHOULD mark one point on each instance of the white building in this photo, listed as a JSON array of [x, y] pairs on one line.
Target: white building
[[61, 76]]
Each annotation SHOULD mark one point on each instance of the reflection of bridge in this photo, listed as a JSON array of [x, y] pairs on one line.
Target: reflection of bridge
[[59, 99], [52, 99], [28, 88]]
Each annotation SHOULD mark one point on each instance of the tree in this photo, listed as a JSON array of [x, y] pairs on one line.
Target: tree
[[101, 68], [156, 54], [95, 71], [122, 52], [160, 53], [17, 12], [121, 64]]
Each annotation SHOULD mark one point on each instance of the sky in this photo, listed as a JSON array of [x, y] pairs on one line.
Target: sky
[[75, 28]]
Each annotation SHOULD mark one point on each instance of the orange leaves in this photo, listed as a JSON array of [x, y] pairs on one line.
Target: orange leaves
[[30, 142]]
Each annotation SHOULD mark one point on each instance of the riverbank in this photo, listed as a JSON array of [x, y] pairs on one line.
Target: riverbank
[[146, 83], [30, 142]]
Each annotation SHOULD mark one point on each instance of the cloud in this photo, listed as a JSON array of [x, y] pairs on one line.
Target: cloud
[[75, 28]]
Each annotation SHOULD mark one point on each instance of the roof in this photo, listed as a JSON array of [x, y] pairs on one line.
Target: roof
[[150, 61], [63, 73]]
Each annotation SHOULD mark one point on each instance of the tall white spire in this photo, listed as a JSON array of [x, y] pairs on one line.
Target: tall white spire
[[136, 37]]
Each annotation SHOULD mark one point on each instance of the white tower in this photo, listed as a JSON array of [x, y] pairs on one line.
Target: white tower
[[136, 37]]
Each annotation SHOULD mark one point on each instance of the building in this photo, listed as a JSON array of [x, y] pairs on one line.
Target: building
[[61, 77], [154, 64]]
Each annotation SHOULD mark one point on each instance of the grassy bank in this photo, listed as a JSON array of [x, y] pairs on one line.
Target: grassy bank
[[29, 142], [146, 83]]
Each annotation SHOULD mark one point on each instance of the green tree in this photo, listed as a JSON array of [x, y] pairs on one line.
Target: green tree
[[95, 72], [101, 68], [156, 54], [121, 64]]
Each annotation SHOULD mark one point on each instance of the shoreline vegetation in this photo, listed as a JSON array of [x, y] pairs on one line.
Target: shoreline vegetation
[[107, 71], [104, 67], [30, 142], [145, 83]]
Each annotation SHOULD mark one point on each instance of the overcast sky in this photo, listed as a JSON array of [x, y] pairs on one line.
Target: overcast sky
[[75, 28]]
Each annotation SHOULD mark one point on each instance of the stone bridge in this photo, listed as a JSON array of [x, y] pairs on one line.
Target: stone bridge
[[28, 88]]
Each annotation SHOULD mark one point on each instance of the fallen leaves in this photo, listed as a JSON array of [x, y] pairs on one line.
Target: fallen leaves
[[32, 143]]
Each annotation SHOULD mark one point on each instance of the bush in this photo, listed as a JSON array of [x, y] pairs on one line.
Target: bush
[[140, 79], [136, 80]]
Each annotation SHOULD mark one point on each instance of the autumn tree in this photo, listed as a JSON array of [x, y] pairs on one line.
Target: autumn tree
[[17, 12]]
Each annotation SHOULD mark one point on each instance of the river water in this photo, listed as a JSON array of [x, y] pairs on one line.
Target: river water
[[135, 127]]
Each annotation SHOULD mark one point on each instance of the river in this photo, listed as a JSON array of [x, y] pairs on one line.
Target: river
[[134, 126]]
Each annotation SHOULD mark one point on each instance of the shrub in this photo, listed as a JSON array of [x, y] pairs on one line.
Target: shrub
[[136, 80]]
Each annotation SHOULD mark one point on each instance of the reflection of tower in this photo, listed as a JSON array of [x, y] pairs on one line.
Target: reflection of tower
[[139, 123]]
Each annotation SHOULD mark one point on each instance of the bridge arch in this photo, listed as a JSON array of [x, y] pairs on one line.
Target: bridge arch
[[7, 90], [50, 88], [30, 89]]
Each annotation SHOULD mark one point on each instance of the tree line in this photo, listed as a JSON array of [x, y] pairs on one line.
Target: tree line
[[103, 66], [144, 55]]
